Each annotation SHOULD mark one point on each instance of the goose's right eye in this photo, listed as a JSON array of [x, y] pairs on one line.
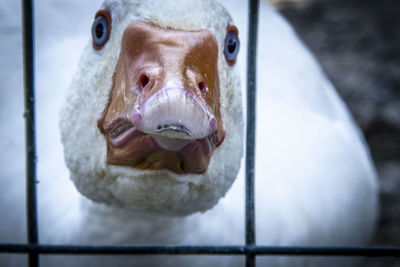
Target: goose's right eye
[[101, 29]]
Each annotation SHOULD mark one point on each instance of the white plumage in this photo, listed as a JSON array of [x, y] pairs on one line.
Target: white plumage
[[315, 182]]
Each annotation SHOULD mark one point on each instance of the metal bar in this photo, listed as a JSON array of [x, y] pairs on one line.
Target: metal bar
[[250, 131], [30, 136], [202, 250]]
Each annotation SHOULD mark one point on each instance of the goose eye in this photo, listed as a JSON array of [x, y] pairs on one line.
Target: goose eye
[[101, 29], [232, 45]]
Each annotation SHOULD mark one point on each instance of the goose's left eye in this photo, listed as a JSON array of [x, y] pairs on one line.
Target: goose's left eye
[[101, 29], [232, 45]]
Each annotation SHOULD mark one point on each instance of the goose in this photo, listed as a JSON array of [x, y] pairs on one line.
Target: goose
[[167, 80]]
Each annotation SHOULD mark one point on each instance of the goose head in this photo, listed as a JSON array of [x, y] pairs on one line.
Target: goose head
[[152, 120]]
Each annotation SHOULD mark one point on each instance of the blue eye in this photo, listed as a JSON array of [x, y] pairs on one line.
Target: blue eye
[[232, 45], [100, 30]]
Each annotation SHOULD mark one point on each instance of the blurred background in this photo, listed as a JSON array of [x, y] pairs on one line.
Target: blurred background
[[357, 43]]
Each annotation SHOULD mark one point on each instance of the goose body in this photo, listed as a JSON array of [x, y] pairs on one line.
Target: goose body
[[315, 181]]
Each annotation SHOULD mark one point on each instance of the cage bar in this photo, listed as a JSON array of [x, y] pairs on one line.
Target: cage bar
[[201, 250], [250, 130], [30, 135]]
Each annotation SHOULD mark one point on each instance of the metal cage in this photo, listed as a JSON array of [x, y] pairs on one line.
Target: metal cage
[[33, 248]]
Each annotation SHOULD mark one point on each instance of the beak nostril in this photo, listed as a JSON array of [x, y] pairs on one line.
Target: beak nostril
[[202, 86], [144, 80]]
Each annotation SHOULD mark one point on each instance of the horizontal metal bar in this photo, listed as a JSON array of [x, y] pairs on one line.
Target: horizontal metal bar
[[209, 250]]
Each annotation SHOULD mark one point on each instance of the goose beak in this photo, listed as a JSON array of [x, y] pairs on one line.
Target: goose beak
[[174, 112], [163, 111]]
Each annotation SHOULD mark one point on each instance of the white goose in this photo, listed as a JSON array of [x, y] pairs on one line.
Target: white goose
[[315, 183]]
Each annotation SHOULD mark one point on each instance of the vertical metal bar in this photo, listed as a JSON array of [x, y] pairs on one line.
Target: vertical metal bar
[[250, 133], [30, 136]]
